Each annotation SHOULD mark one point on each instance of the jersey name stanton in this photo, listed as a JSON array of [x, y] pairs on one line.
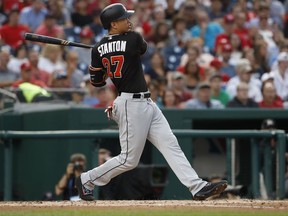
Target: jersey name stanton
[[114, 46]]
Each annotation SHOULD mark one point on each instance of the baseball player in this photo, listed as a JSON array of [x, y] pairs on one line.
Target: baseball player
[[117, 55]]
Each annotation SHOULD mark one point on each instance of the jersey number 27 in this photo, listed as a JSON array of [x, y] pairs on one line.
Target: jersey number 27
[[114, 60]]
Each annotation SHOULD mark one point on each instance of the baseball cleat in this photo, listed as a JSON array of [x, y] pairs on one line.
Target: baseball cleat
[[84, 193], [211, 189]]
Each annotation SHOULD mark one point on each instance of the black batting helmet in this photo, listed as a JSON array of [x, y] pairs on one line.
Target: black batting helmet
[[113, 13]]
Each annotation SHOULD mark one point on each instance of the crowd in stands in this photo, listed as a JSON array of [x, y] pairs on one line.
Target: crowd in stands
[[201, 53]]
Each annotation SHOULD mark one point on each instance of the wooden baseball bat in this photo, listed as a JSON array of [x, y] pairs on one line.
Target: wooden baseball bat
[[53, 40]]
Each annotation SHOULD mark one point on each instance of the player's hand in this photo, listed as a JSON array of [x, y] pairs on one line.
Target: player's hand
[[70, 169], [108, 112]]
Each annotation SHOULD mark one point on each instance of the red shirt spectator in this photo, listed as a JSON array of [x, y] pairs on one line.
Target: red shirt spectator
[[49, 27], [270, 99], [241, 30], [12, 33], [26, 76], [275, 104], [9, 5], [224, 38], [216, 64], [37, 74]]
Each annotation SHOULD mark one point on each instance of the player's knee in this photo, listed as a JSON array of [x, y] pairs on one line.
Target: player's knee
[[131, 164]]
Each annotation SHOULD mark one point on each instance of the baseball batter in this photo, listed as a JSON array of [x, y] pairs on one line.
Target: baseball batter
[[117, 55]]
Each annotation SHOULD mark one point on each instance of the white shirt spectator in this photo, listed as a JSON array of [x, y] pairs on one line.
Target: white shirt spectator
[[15, 63], [46, 65], [254, 88], [281, 84], [280, 75]]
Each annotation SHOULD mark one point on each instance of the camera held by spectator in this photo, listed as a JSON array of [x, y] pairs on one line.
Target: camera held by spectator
[[66, 185]]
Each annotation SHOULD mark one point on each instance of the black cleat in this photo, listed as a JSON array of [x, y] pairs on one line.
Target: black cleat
[[84, 193], [211, 189]]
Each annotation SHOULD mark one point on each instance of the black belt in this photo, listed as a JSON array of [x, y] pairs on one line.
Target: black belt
[[138, 95]]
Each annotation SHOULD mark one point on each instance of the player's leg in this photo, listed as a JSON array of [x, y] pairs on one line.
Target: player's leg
[[162, 137], [134, 119]]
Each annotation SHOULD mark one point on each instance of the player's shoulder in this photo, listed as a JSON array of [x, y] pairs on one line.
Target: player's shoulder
[[133, 34]]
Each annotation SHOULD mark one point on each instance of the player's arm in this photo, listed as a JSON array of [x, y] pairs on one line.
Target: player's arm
[[142, 43], [98, 74]]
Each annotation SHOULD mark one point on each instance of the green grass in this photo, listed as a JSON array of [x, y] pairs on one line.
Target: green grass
[[127, 211]]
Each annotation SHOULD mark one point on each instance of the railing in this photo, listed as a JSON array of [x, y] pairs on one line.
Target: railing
[[254, 136]]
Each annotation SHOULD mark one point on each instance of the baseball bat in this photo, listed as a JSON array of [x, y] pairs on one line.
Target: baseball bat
[[53, 40]]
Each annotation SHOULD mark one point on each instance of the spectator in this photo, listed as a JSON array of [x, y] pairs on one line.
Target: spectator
[[241, 30], [74, 74], [242, 100], [157, 15], [192, 53], [66, 185], [217, 92], [194, 74], [84, 55], [156, 68], [227, 68], [154, 90], [19, 57], [58, 10], [244, 74], [262, 10], [277, 12], [179, 87], [169, 99], [160, 35], [9, 5], [59, 84], [270, 98], [216, 68], [170, 10], [90, 98], [255, 64], [105, 96], [236, 52], [207, 30], [12, 33], [202, 58], [33, 58], [203, 99], [33, 15], [162, 85], [224, 38], [27, 76], [261, 57], [49, 27], [51, 59], [279, 39], [280, 74], [7, 77], [179, 35], [188, 11], [265, 28], [141, 18], [3, 16], [267, 77], [216, 10], [96, 25], [81, 17]]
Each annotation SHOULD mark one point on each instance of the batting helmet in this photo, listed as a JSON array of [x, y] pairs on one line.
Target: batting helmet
[[113, 13]]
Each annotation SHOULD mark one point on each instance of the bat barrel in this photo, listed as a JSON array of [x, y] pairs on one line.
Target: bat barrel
[[52, 40]]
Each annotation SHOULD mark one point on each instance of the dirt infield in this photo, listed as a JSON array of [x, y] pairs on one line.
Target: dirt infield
[[281, 205]]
